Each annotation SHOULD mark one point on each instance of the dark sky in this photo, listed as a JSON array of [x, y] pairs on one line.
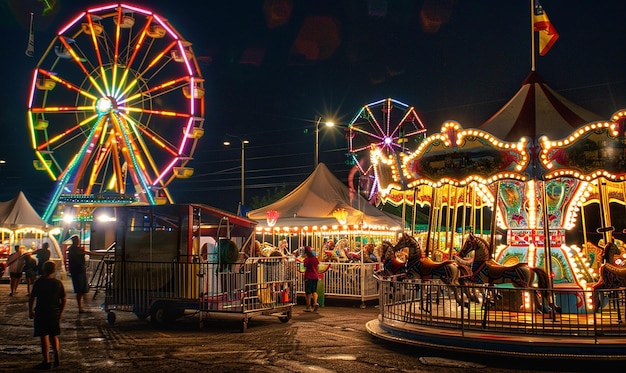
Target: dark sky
[[465, 67]]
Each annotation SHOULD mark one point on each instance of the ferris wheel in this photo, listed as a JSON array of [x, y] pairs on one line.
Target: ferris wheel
[[116, 105], [388, 125]]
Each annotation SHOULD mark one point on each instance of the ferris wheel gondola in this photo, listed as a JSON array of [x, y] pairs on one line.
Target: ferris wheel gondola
[[116, 105]]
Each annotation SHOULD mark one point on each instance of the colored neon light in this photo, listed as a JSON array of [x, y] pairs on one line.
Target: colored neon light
[[97, 50], [142, 36], [157, 112], [33, 86], [70, 24], [166, 27], [153, 89], [67, 84], [63, 134]]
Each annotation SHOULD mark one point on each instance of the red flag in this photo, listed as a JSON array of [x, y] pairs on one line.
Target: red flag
[[547, 32]]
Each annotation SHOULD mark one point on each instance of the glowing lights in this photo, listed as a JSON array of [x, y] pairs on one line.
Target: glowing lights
[[272, 217], [341, 215], [104, 105]]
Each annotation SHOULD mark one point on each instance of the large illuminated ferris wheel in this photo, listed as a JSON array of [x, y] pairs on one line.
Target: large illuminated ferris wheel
[[116, 105]]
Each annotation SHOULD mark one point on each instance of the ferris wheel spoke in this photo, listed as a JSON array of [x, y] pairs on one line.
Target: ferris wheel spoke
[[155, 61], [66, 83], [160, 89], [94, 39], [62, 135], [79, 61], [131, 130], [372, 118], [136, 48], [153, 136], [146, 152]]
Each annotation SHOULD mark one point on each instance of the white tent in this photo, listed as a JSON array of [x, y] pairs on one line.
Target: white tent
[[315, 201], [18, 213]]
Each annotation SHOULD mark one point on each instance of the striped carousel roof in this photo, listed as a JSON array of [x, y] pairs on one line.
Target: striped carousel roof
[[537, 110]]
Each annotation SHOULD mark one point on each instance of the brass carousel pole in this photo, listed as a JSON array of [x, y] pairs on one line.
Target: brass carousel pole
[[431, 220], [455, 218], [413, 221], [546, 233], [464, 217]]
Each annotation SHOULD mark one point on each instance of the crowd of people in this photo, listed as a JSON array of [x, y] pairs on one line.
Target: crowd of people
[[46, 293]]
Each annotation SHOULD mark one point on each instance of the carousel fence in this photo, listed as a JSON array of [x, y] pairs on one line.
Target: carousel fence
[[348, 280], [257, 284], [433, 304]]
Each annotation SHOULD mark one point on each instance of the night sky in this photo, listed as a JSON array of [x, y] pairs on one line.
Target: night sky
[[460, 60]]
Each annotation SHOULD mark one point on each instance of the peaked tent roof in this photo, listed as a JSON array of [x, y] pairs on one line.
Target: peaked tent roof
[[19, 213], [316, 198], [537, 110]]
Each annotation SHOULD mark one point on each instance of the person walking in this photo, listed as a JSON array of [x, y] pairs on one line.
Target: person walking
[[30, 270], [78, 271], [311, 276], [42, 255], [15, 262], [49, 294]]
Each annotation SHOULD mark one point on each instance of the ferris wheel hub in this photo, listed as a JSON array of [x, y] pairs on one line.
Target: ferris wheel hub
[[104, 105]]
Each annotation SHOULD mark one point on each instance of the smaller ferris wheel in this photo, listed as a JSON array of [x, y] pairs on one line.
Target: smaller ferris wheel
[[388, 125], [116, 105]]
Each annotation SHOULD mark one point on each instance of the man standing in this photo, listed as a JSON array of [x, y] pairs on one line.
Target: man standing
[[78, 270], [46, 314], [43, 255]]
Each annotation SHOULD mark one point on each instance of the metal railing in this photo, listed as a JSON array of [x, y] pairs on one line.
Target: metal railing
[[510, 310], [348, 280], [255, 285]]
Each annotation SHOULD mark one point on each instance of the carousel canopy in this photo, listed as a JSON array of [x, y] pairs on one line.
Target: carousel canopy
[[18, 213], [537, 110], [319, 200]]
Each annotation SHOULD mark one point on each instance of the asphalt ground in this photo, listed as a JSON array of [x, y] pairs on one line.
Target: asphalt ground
[[334, 339]]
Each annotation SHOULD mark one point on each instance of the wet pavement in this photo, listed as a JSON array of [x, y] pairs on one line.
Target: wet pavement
[[332, 340]]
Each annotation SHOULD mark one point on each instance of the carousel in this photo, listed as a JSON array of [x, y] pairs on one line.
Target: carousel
[[501, 262]]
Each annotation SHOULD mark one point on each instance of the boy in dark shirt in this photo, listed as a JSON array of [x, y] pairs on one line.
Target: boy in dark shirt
[[46, 314]]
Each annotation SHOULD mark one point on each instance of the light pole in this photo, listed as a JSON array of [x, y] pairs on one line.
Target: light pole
[[243, 165], [317, 139]]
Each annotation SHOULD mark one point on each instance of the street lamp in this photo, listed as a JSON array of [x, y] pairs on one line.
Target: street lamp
[[243, 164], [317, 138]]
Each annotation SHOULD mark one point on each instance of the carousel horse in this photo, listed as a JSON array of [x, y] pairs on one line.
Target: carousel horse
[[487, 271], [426, 269], [611, 277], [342, 248], [391, 264]]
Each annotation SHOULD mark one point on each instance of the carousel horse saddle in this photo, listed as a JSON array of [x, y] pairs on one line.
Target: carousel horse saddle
[[429, 266], [497, 270]]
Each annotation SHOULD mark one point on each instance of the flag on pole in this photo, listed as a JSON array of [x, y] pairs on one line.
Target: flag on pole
[[547, 32], [30, 50]]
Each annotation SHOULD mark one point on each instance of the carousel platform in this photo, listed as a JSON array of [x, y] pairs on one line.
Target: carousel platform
[[500, 343], [505, 322]]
